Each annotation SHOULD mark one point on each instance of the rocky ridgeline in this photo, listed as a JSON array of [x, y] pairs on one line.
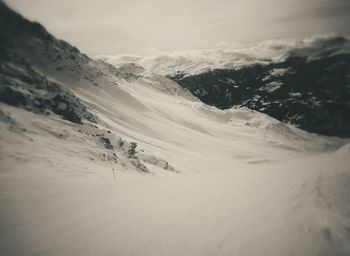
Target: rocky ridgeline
[[37, 70], [55, 58]]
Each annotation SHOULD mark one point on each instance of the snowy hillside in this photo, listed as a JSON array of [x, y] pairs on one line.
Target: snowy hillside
[[305, 83], [103, 160]]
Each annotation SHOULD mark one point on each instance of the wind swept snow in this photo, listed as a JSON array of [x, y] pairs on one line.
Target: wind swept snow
[[248, 184], [144, 168]]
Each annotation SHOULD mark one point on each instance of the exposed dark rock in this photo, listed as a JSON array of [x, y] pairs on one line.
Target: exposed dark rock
[[106, 142]]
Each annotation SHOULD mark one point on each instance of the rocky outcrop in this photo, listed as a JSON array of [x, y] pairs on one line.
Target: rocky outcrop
[[116, 146], [22, 86], [129, 151], [150, 159]]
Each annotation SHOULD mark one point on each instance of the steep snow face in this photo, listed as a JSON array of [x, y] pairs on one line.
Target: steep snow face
[[194, 62], [159, 172]]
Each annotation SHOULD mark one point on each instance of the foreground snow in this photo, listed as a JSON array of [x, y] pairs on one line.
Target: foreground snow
[[248, 185], [57, 204]]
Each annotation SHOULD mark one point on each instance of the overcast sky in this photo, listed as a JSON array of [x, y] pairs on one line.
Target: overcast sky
[[137, 26]]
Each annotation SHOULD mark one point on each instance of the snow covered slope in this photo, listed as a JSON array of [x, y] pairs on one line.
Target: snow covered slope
[[201, 181], [305, 83]]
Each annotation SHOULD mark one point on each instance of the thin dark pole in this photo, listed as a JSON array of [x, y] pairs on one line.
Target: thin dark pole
[[113, 174]]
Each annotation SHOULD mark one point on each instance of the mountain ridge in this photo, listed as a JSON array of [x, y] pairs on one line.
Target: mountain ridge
[[314, 95]]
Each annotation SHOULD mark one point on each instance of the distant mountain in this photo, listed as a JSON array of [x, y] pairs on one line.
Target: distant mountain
[[193, 62], [312, 94]]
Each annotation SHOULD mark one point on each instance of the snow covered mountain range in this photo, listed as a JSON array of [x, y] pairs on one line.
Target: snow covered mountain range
[[305, 82], [98, 159], [193, 62]]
